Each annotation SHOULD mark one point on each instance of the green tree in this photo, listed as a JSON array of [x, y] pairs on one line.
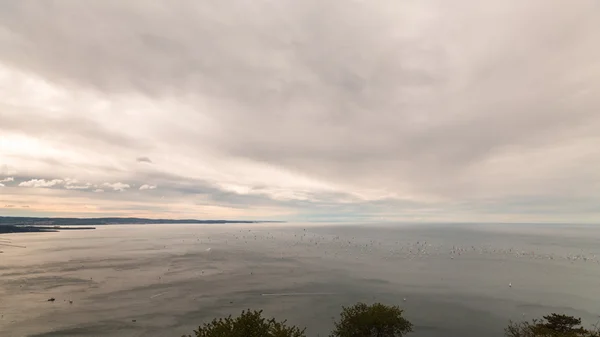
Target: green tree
[[248, 324], [377, 320], [553, 325]]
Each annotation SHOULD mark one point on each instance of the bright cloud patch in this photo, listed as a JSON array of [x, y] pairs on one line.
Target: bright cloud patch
[[41, 183], [78, 187], [147, 187], [74, 184], [117, 186]]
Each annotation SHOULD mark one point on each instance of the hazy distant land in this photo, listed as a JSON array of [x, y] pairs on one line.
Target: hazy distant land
[[5, 220], [33, 224], [4, 229]]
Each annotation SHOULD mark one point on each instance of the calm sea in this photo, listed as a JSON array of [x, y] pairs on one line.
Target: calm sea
[[164, 280]]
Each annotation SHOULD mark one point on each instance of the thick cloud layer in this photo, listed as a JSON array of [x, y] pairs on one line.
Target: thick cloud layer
[[438, 110]]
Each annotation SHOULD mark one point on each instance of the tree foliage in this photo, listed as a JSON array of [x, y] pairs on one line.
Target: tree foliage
[[554, 325], [377, 320], [248, 324]]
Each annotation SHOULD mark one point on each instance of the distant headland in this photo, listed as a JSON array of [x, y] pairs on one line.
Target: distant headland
[[34, 224]]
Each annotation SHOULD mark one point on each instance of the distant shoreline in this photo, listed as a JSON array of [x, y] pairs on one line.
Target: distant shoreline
[[44, 223], [6, 229]]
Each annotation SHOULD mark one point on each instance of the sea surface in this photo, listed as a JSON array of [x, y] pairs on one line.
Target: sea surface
[[164, 280]]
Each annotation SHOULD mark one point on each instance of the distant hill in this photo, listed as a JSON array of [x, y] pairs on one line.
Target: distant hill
[[6, 220]]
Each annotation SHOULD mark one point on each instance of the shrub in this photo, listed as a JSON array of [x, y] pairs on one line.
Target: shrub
[[377, 320], [248, 324], [553, 325]]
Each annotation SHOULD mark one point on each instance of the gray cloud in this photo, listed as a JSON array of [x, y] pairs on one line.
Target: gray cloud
[[426, 100], [81, 129], [7, 170]]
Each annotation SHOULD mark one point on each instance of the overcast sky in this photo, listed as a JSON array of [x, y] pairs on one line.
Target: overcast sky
[[415, 110]]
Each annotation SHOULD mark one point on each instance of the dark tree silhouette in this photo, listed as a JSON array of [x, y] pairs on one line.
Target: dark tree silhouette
[[248, 324], [377, 320], [554, 325]]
